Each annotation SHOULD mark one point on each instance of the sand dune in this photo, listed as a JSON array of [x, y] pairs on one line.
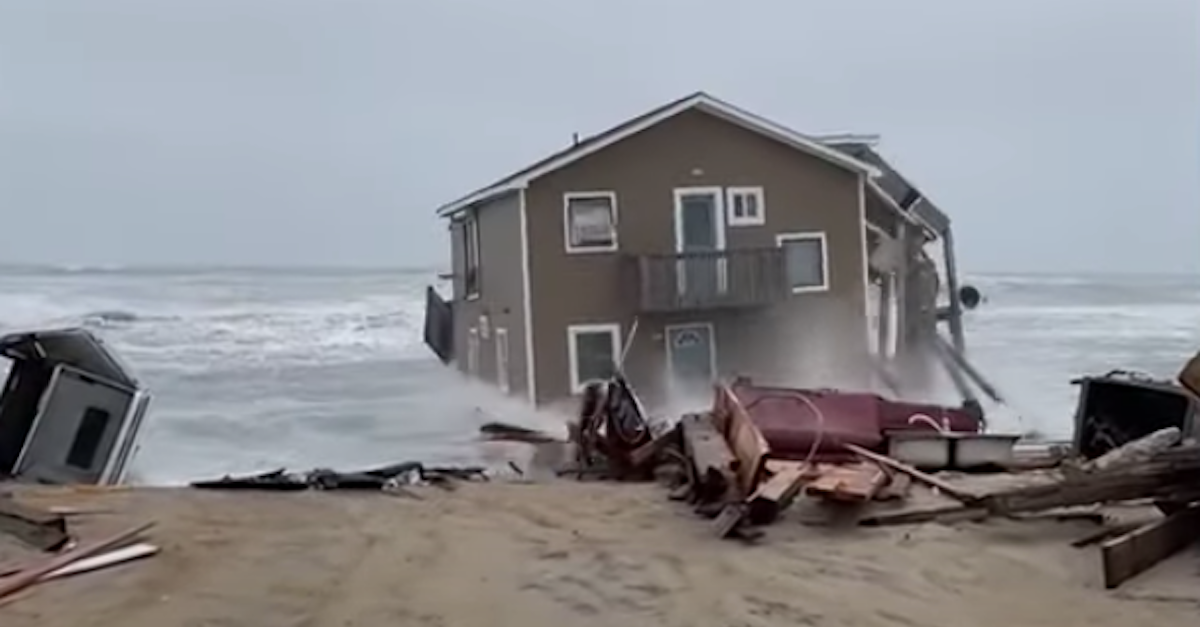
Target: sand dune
[[568, 554]]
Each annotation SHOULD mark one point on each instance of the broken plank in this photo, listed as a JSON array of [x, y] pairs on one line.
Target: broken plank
[[777, 492], [715, 464], [744, 437], [647, 452], [850, 484], [33, 574], [38, 528], [952, 491], [941, 514], [1129, 555], [1104, 534]]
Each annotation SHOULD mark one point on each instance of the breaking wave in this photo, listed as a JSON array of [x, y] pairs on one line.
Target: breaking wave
[[198, 322]]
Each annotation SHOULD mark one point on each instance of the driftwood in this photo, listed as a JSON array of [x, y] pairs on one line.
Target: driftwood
[[41, 529], [715, 464]]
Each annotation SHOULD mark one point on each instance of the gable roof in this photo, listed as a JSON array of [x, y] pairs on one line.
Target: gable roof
[[902, 193], [698, 101]]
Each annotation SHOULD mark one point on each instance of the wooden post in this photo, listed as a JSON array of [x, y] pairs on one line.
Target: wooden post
[[956, 328]]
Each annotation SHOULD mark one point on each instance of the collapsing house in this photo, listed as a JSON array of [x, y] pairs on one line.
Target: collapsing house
[[697, 242]]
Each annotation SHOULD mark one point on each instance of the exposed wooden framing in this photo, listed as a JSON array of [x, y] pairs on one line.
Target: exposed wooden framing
[[1129, 555]]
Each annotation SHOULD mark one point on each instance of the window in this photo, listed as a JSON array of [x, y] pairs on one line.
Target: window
[[593, 350], [745, 206], [470, 244], [87, 438], [590, 220], [806, 261]]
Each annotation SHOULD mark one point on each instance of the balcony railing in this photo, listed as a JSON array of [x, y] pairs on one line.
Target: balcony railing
[[711, 280]]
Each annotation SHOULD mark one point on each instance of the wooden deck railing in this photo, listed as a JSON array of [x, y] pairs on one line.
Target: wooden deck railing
[[711, 280]]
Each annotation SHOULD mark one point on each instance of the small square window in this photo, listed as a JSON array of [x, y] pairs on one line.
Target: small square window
[[745, 206], [806, 261], [590, 221]]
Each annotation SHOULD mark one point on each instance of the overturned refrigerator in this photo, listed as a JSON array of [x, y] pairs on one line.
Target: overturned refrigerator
[[70, 412]]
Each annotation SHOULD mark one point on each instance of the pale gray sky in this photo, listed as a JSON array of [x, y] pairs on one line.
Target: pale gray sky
[[1059, 134]]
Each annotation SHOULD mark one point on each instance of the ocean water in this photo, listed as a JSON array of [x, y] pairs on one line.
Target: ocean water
[[256, 369]]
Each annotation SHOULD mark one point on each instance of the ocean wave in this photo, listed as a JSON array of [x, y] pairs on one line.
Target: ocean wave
[[180, 326]]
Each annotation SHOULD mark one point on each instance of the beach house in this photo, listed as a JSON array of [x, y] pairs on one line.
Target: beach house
[[697, 240]]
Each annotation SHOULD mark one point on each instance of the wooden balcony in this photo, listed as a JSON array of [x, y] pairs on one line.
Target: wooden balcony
[[711, 280]]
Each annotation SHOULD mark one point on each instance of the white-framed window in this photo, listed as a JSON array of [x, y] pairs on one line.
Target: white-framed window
[[473, 351], [502, 379], [806, 260], [590, 221], [746, 206], [470, 244], [592, 352]]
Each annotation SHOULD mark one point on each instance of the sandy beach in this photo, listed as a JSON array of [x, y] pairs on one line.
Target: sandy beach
[[564, 553]]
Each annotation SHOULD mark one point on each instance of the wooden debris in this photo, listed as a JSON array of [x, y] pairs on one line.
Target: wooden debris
[[1104, 534], [1131, 554], [897, 488], [715, 464], [33, 574], [1140, 450], [777, 493], [939, 513], [41, 529], [743, 436], [104, 560], [857, 483], [952, 491], [648, 452]]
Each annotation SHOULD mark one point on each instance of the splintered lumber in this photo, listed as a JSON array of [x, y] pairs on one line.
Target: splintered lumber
[[715, 464], [1139, 450], [952, 491], [1129, 555], [40, 529], [647, 452], [857, 483], [1173, 474], [747, 441], [33, 574], [778, 491]]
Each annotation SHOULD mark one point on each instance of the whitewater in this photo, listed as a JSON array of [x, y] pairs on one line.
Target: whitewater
[[255, 369]]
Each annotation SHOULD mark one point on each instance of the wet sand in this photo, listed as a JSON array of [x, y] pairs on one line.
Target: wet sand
[[564, 553]]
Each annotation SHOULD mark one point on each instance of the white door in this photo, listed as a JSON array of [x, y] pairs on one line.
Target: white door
[[502, 359], [700, 229], [691, 357]]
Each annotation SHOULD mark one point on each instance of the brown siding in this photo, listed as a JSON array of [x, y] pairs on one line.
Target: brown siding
[[802, 193], [501, 293]]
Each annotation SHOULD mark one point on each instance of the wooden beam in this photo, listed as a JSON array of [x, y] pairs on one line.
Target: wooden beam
[[956, 327], [1129, 555]]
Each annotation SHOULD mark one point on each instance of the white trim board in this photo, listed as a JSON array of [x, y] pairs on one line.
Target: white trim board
[[583, 250], [503, 369], [800, 236], [573, 330], [712, 339], [699, 101], [527, 304]]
